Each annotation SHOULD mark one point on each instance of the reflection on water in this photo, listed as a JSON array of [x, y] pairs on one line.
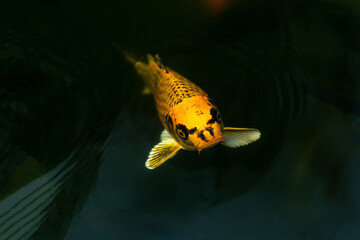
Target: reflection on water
[[49, 109], [23, 211], [76, 131]]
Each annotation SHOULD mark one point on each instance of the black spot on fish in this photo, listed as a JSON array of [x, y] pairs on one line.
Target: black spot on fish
[[192, 131], [199, 113], [215, 116], [202, 136], [182, 131], [179, 101], [211, 130], [211, 121], [213, 113]]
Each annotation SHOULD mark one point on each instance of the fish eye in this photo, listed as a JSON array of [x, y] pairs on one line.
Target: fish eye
[[180, 133], [218, 116]]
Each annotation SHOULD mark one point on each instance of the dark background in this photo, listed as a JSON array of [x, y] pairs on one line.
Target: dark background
[[75, 130]]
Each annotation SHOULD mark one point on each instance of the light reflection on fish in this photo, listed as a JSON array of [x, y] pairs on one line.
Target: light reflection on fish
[[190, 118]]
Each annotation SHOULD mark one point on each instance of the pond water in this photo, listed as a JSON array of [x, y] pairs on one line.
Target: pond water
[[75, 130]]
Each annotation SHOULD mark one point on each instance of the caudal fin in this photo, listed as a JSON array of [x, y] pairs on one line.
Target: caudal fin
[[128, 56]]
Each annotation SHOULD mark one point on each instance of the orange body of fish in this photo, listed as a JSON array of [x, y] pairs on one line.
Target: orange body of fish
[[190, 118]]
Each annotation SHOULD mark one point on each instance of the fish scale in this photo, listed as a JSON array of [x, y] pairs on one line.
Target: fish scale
[[170, 89]]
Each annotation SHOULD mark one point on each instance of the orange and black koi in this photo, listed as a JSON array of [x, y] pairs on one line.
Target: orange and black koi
[[190, 119]]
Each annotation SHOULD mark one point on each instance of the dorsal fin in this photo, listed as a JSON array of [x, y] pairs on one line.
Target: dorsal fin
[[160, 63]]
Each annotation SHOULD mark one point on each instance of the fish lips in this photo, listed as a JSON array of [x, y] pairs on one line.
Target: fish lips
[[210, 144]]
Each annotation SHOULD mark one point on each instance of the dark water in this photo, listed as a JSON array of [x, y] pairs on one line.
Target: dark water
[[75, 130]]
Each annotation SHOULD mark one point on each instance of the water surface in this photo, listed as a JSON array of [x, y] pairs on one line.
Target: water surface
[[76, 130]]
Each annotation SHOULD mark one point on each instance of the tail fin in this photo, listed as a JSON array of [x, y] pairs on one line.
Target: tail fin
[[129, 57]]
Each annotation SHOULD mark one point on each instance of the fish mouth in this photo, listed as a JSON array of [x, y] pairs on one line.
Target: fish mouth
[[211, 144]]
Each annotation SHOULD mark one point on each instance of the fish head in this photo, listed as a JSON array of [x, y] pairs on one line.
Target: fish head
[[197, 124]]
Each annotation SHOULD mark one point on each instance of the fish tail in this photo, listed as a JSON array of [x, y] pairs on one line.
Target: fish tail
[[128, 56]]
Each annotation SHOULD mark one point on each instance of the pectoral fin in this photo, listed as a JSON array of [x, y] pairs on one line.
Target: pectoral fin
[[165, 135], [162, 152], [236, 137]]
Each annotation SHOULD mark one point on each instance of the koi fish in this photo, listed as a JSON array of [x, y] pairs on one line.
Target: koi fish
[[190, 118]]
